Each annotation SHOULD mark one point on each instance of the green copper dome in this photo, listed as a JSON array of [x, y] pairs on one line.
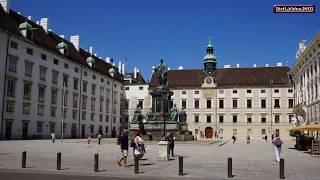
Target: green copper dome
[[62, 45], [90, 60], [209, 57], [112, 72], [209, 44], [25, 26]]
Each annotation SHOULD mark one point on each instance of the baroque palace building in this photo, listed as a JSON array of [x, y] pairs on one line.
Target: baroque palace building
[[51, 85], [255, 101], [306, 79]]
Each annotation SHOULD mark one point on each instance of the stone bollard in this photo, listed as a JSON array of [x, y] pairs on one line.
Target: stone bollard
[[230, 167], [24, 159], [282, 168], [136, 164], [180, 165], [59, 161], [96, 162]]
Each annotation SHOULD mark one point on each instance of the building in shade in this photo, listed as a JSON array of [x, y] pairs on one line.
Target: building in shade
[[255, 101], [51, 85], [306, 79]]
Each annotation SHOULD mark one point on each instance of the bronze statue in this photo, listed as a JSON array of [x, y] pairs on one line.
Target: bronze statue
[[182, 116], [162, 70], [174, 113]]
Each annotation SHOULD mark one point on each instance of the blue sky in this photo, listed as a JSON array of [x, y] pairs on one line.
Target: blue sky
[[243, 32]]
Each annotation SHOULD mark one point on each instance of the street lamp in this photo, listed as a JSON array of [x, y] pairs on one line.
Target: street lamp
[[112, 73]]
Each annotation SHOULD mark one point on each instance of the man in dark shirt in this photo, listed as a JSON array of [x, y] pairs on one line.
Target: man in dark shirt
[[124, 145]]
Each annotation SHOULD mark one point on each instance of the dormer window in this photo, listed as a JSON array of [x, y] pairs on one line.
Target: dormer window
[[63, 48], [26, 30], [90, 61]]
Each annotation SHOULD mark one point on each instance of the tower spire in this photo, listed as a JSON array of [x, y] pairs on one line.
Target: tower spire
[[210, 60]]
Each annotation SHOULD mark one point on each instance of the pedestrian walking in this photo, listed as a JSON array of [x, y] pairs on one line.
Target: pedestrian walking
[[89, 139], [277, 143], [150, 136], [53, 137], [139, 146], [234, 138], [99, 138], [124, 146], [266, 137], [248, 139], [170, 139]]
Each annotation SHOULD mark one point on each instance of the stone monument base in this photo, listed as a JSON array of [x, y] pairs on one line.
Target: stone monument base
[[163, 151]]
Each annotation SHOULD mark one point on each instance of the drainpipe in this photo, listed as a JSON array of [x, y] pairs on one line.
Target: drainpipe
[[4, 88]]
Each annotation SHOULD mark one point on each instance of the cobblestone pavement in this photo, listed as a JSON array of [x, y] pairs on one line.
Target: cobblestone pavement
[[202, 160]]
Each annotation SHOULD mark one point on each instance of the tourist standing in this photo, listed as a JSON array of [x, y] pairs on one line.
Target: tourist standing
[[266, 137], [99, 138], [89, 139], [53, 137], [170, 139], [248, 139], [277, 142], [124, 146], [234, 138], [139, 146]]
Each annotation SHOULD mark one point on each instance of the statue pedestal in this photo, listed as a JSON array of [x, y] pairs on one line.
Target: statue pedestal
[[163, 151]]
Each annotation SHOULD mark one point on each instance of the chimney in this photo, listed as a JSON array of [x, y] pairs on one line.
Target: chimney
[[90, 49], [226, 66], [254, 65], [279, 64], [180, 67], [238, 65], [6, 5], [119, 67], [135, 72], [29, 18], [123, 69], [44, 23], [267, 65], [75, 40]]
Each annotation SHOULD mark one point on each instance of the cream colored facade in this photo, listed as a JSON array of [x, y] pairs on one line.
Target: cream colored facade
[[305, 73], [33, 95]]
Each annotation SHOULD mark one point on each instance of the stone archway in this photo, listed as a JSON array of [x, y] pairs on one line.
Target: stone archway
[[208, 132]]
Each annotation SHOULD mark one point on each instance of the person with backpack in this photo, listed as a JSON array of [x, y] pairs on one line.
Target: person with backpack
[[277, 142], [124, 148]]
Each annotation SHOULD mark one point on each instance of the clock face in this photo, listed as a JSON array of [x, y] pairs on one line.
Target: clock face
[[209, 81]]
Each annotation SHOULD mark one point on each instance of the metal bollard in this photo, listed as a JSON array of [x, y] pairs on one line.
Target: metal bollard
[[24, 159], [282, 168], [96, 162], [230, 167], [180, 165], [136, 164], [59, 161]]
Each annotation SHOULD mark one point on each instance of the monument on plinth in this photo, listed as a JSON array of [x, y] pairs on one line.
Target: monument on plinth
[[162, 119]]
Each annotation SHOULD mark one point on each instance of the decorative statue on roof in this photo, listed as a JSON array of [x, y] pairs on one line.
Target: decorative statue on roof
[[174, 113], [162, 70], [182, 116], [302, 47]]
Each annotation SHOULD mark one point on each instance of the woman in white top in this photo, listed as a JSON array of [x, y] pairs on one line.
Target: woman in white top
[[139, 149]]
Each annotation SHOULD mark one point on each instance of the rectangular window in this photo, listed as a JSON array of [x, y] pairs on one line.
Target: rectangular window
[[56, 61], [76, 70], [11, 87], [30, 51], [93, 76], [101, 91], [102, 80], [107, 118], [221, 103], [263, 131], [262, 91], [75, 101], [85, 73], [83, 115], [44, 57], [196, 92], [55, 75], [27, 90], [263, 119], [221, 118], [263, 104], [234, 103], [65, 98], [107, 105], [127, 88], [208, 118], [208, 103], [75, 83], [249, 119], [93, 104], [54, 93], [74, 114], [85, 85], [276, 103], [196, 118], [290, 103], [249, 91], [221, 91], [12, 64], [100, 117], [234, 118], [101, 105], [39, 126], [43, 72], [140, 88], [41, 93], [249, 103], [276, 91], [184, 104], [92, 116], [196, 103], [10, 106], [84, 102], [277, 118], [66, 66], [14, 45], [40, 110], [65, 80], [107, 129], [53, 111], [28, 68], [290, 90], [234, 91], [235, 131], [52, 127], [26, 108], [184, 92], [91, 129], [141, 103], [93, 89]]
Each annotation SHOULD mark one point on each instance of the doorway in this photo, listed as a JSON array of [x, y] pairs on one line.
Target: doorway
[[8, 130], [208, 132], [83, 131], [25, 125], [74, 131]]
